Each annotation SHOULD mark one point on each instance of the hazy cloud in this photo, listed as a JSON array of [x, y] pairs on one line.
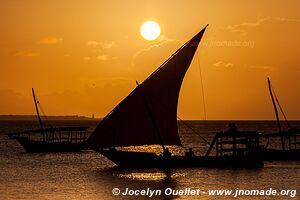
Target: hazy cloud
[[95, 44], [24, 53], [265, 67], [241, 28], [286, 19], [100, 48], [108, 45], [50, 40], [163, 40], [86, 58], [223, 64], [102, 57]]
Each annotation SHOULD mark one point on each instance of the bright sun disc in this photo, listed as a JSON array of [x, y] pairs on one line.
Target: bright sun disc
[[150, 30]]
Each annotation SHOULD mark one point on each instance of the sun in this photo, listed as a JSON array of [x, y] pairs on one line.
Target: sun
[[150, 30]]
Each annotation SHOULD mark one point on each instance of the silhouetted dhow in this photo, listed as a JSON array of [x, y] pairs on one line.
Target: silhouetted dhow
[[290, 139], [51, 139], [148, 115]]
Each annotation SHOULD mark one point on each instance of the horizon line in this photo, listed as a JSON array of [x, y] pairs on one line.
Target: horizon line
[[89, 117]]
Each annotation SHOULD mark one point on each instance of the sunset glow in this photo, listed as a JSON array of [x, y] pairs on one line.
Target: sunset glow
[[84, 58]]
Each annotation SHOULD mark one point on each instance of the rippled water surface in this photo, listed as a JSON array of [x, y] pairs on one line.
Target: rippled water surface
[[88, 175]]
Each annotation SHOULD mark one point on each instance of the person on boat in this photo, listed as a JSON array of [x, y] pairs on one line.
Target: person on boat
[[166, 153], [232, 128], [189, 153]]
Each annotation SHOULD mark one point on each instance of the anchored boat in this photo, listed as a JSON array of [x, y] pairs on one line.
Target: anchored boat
[[289, 139], [51, 139], [148, 115]]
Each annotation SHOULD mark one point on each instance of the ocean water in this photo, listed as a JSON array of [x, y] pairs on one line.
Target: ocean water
[[89, 176]]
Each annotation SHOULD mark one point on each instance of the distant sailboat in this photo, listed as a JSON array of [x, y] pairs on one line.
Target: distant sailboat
[[148, 115], [290, 139], [50, 139]]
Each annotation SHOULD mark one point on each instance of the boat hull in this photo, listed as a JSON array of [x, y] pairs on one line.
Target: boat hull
[[127, 159], [280, 155], [33, 146]]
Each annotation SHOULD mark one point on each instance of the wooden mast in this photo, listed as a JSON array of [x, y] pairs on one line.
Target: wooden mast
[[276, 113], [38, 114]]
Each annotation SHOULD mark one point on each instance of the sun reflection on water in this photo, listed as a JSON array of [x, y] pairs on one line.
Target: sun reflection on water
[[149, 176], [144, 176]]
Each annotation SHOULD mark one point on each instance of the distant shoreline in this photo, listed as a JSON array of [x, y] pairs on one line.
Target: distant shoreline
[[33, 117], [78, 117]]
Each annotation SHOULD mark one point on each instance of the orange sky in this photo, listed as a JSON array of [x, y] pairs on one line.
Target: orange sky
[[84, 57]]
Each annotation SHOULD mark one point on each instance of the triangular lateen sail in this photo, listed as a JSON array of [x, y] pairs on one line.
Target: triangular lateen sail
[[148, 115]]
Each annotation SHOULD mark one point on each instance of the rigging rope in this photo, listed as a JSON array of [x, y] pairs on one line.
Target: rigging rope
[[193, 130], [42, 110], [204, 108], [203, 96], [280, 108]]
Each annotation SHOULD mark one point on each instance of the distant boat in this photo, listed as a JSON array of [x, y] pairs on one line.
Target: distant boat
[[50, 139], [148, 115], [290, 139]]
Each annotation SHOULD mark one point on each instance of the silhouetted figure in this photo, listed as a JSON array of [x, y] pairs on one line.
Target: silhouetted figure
[[166, 153], [232, 128], [189, 153], [233, 132]]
